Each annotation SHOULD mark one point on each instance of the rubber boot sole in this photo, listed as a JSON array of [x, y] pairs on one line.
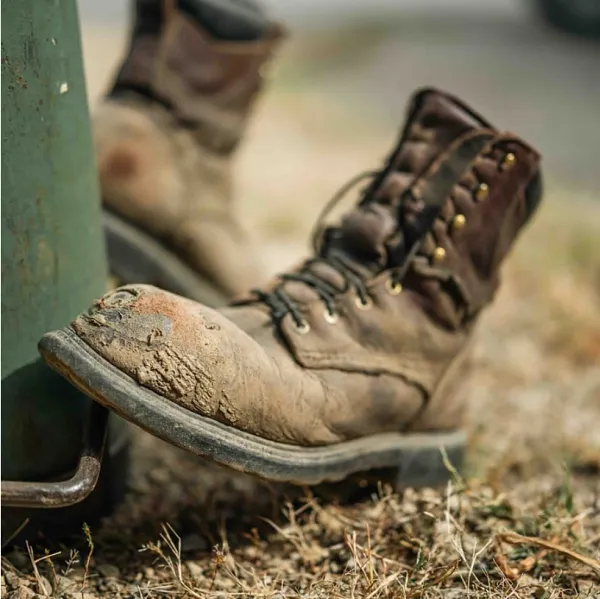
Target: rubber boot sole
[[136, 257], [416, 459]]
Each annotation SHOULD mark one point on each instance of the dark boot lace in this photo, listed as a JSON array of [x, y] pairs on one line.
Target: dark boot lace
[[404, 258], [281, 303]]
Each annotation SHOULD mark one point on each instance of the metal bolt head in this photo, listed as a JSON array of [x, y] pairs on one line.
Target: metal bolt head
[[459, 221], [508, 161], [439, 254], [482, 192], [302, 328], [330, 317], [393, 287], [366, 305]]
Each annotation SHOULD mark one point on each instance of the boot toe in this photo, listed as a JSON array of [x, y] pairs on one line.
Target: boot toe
[[171, 345]]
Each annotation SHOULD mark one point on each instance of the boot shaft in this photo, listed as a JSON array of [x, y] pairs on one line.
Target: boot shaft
[[208, 84], [442, 213]]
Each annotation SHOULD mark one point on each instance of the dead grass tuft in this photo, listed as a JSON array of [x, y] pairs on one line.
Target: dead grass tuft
[[473, 541]]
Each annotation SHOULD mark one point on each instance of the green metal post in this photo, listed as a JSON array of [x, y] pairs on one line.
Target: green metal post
[[53, 261]]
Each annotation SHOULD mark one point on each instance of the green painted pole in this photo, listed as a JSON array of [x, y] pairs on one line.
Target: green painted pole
[[53, 260]]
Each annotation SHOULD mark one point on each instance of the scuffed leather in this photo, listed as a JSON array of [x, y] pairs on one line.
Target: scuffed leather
[[395, 364]]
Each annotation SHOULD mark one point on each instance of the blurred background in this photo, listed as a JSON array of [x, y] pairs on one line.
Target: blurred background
[[334, 107]]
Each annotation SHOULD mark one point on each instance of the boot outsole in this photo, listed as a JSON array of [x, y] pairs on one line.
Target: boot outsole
[[136, 257], [414, 459]]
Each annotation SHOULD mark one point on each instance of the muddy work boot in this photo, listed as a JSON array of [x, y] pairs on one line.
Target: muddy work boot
[[356, 359], [165, 137]]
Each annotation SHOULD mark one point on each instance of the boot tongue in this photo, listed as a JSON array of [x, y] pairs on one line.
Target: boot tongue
[[370, 235]]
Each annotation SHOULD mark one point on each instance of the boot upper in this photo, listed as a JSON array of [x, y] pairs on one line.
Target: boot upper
[[372, 332]]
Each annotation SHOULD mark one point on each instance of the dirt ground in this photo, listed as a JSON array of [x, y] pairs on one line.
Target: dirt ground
[[522, 520]]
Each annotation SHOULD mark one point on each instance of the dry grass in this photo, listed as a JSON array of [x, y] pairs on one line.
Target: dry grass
[[191, 531], [525, 520]]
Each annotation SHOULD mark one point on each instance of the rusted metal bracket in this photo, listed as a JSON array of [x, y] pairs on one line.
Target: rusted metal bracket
[[25, 494]]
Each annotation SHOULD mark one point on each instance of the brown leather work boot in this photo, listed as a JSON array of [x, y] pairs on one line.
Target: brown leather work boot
[[165, 138], [354, 360]]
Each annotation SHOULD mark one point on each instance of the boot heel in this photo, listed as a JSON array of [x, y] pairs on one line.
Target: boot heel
[[423, 467]]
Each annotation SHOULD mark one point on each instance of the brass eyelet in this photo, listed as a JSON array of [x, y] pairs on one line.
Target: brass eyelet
[[482, 192], [302, 328], [393, 287], [331, 317], [508, 161], [439, 254], [459, 221], [363, 305]]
